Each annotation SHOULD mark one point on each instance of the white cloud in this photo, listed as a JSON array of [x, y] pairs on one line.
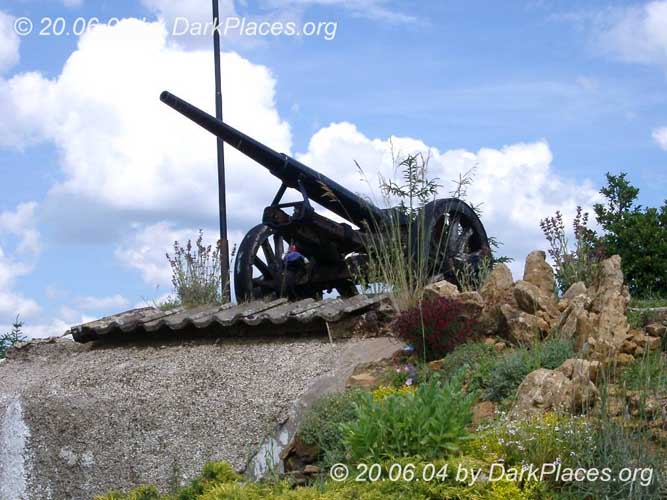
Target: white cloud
[[637, 34], [102, 303], [146, 247], [19, 245], [660, 137], [9, 43], [516, 185], [122, 148]]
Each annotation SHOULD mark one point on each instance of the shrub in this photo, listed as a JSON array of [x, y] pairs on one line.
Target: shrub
[[637, 234], [430, 423], [196, 273], [507, 373], [473, 361], [388, 390], [579, 264], [11, 338], [213, 474], [436, 327], [321, 423]]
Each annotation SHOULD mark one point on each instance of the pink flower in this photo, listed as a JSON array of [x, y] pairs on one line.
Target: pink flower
[[408, 381]]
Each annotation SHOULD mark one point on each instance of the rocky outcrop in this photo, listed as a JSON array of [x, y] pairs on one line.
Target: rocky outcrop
[[538, 272], [441, 289], [520, 327], [596, 318], [569, 388]]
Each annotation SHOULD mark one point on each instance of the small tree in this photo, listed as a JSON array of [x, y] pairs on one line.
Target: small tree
[[9, 339], [637, 234]]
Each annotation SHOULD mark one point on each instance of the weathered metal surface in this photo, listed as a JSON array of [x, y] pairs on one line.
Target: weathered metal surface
[[222, 318]]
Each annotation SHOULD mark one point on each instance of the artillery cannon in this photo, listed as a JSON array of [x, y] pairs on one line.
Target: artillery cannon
[[448, 237]]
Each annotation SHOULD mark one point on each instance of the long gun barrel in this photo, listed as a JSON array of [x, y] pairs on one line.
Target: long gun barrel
[[318, 187]]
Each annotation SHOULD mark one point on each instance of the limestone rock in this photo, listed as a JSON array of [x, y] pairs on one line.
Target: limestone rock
[[596, 319], [656, 329], [473, 303], [521, 327], [441, 289], [580, 370], [623, 359], [538, 272], [311, 469], [499, 282], [496, 291], [533, 300], [610, 303], [568, 388], [578, 288]]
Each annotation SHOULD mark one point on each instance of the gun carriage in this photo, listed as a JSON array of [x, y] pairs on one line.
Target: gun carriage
[[448, 237]]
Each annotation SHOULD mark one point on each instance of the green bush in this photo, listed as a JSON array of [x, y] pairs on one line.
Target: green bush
[[505, 376], [572, 442], [438, 488], [321, 424], [473, 361], [637, 234], [430, 422]]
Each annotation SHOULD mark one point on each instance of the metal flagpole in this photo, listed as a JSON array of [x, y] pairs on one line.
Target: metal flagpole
[[222, 201]]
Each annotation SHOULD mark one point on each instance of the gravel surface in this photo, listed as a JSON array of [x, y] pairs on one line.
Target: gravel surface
[[105, 417]]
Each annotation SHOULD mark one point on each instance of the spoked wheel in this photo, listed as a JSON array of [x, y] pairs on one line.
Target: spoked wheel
[[449, 237], [259, 271]]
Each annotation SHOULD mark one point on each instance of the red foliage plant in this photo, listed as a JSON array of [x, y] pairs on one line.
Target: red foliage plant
[[437, 327]]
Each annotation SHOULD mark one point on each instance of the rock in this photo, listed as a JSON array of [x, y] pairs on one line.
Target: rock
[[365, 380], [580, 370], [497, 290], [473, 303], [596, 320], [568, 388], [498, 283], [623, 359], [653, 343], [578, 288], [656, 329], [484, 410], [311, 469], [539, 273], [533, 300], [490, 341], [520, 327], [441, 289], [610, 302], [628, 347], [500, 346]]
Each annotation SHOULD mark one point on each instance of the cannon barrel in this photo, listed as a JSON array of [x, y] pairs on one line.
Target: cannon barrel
[[318, 187]]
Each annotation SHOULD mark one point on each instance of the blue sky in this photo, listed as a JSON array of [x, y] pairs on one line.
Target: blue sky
[[540, 97]]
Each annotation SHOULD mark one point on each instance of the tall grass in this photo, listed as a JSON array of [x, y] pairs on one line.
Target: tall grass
[[402, 258]]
